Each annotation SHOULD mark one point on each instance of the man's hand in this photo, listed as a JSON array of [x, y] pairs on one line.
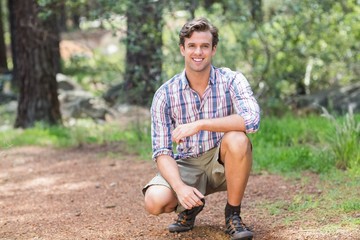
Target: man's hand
[[185, 130], [189, 197]]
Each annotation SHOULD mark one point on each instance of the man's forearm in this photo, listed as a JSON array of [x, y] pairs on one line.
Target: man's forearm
[[168, 168], [225, 124]]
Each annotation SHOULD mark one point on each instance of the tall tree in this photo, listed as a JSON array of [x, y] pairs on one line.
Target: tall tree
[[3, 60], [144, 51], [14, 83], [256, 11], [36, 44]]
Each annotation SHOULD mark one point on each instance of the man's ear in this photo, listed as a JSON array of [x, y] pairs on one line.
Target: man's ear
[[213, 50], [182, 50]]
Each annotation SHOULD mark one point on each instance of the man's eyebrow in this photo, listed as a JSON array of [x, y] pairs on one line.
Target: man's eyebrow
[[192, 43]]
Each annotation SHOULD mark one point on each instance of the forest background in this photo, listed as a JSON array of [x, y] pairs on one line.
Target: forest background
[[292, 52]]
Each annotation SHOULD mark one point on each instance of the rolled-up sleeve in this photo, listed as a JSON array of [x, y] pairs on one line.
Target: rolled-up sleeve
[[245, 103], [161, 125]]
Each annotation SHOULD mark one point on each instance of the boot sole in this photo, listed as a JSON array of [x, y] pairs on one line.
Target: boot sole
[[179, 229], [242, 236]]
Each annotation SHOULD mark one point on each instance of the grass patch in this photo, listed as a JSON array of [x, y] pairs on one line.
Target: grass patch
[[284, 145], [344, 140], [291, 144], [336, 207], [85, 131]]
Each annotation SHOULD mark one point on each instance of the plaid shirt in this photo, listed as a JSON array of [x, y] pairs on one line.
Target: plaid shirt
[[175, 103]]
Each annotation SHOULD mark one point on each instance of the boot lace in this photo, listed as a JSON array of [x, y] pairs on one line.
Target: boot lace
[[235, 224]]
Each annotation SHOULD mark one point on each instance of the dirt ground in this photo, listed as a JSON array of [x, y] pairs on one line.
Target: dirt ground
[[86, 193]]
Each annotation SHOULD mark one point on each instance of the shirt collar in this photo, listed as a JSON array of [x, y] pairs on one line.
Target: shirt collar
[[185, 82]]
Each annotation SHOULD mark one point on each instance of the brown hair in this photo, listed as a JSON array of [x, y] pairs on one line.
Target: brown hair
[[198, 25]]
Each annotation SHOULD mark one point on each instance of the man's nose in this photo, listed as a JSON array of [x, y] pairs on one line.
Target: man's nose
[[198, 50]]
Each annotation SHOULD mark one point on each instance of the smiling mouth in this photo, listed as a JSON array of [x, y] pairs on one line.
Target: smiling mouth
[[198, 59]]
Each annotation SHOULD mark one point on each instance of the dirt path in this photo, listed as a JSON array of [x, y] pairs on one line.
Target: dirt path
[[85, 193]]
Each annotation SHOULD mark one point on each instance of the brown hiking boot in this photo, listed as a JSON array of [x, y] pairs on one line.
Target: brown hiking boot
[[186, 219], [237, 229]]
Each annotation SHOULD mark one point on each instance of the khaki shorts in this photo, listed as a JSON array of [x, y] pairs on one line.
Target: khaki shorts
[[205, 173]]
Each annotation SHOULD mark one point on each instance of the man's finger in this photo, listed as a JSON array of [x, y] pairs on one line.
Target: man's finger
[[198, 193]]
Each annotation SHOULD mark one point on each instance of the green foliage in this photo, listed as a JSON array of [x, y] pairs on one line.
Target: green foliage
[[344, 139], [290, 144], [104, 11], [99, 71], [47, 8], [299, 47], [294, 47], [143, 51]]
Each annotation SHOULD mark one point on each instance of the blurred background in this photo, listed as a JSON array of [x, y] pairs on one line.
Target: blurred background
[[63, 62], [123, 50]]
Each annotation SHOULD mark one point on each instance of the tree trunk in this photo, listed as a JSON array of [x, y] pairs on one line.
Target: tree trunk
[[3, 59], [36, 45], [75, 21], [256, 11], [144, 53], [14, 82], [62, 17]]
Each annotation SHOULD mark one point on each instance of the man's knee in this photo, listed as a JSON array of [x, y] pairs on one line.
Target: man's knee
[[152, 206], [235, 141], [159, 199]]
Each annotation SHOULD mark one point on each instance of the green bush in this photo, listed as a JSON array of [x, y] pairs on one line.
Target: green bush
[[344, 139], [292, 144]]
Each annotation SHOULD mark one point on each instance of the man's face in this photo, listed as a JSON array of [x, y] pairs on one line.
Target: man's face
[[198, 51]]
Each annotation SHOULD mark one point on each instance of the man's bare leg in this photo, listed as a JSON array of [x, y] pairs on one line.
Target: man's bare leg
[[236, 154], [160, 199]]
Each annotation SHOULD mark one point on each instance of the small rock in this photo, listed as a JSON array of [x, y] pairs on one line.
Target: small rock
[[110, 206]]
